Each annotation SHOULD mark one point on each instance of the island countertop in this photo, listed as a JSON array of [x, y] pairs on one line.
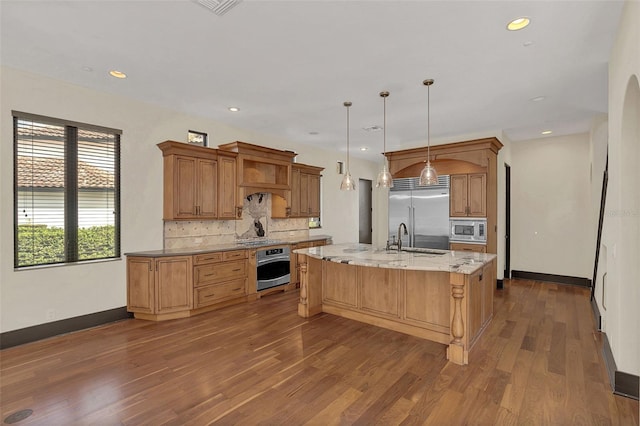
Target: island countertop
[[462, 262]]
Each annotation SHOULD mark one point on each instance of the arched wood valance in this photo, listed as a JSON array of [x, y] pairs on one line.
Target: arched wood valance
[[453, 158]]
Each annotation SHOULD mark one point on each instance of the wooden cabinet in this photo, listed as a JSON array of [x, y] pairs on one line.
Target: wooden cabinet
[[304, 199], [478, 248], [159, 285], [193, 188], [160, 288], [314, 195], [226, 186], [468, 195], [140, 285], [198, 184], [220, 278], [173, 284], [480, 289]]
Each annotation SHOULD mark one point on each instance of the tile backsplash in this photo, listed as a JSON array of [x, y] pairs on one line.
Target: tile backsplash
[[256, 222]]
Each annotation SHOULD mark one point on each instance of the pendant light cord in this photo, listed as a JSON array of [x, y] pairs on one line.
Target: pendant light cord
[[428, 124], [347, 138], [384, 126]]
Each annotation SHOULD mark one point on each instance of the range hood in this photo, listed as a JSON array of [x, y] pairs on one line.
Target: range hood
[[261, 169]]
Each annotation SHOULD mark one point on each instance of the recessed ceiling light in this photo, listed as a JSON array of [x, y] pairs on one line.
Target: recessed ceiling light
[[527, 43], [314, 133], [547, 132], [538, 99], [87, 69], [518, 24], [364, 148], [117, 74], [234, 109]]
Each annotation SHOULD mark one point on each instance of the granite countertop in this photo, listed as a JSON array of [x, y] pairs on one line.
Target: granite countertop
[[253, 243], [462, 262]]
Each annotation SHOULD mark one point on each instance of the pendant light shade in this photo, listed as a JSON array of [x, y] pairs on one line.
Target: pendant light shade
[[347, 183], [384, 177], [428, 175]]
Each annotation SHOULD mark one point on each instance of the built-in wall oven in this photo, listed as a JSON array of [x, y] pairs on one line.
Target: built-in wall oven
[[273, 267]]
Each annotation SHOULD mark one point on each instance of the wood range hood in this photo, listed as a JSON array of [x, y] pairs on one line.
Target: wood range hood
[[261, 169]]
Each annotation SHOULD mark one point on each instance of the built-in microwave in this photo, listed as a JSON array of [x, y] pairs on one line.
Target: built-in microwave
[[468, 230]]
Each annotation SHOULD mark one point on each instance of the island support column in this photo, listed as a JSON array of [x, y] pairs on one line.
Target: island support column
[[458, 352], [310, 302]]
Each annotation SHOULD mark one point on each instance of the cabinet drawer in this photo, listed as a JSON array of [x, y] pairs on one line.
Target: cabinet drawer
[[214, 293], [478, 248], [200, 259], [216, 272], [234, 255]]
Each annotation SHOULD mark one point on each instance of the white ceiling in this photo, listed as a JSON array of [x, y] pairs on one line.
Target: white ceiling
[[290, 65]]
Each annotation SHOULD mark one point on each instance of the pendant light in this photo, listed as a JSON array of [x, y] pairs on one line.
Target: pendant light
[[384, 177], [347, 183], [428, 176]]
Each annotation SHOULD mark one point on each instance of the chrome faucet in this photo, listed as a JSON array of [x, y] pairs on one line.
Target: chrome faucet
[[400, 235]]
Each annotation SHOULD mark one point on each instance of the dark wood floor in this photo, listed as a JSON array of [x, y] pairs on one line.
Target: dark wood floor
[[539, 362]]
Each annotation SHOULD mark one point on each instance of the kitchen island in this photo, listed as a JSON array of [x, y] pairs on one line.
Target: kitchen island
[[439, 295]]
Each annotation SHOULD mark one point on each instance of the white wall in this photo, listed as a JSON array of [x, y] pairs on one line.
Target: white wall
[[27, 295], [621, 233], [550, 206]]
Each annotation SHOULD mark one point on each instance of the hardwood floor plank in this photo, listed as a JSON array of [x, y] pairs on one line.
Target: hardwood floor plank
[[538, 362]]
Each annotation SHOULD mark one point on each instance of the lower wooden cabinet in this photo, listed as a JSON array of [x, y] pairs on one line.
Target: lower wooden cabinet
[[159, 285], [214, 293], [478, 248], [161, 288]]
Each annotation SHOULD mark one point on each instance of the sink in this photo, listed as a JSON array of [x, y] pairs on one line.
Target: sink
[[424, 251], [354, 250]]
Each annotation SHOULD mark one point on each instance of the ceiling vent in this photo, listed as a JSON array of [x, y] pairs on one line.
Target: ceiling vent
[[219, 7]]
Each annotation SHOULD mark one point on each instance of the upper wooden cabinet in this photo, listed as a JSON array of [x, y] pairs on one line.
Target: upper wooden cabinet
[[198, 183], [304, 198], [226, 186], [468, 195], [308, 193]]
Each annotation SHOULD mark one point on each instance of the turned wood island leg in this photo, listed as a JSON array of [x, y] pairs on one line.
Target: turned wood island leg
[[457, 352], [303, 307]]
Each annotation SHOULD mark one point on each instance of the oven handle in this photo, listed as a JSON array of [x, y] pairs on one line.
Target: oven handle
[[273, 259]]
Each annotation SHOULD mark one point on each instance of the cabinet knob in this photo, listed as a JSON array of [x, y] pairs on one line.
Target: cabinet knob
[[287, 211], [238, 211]]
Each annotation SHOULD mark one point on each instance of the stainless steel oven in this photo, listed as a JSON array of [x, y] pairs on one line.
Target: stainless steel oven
[[273, 267]]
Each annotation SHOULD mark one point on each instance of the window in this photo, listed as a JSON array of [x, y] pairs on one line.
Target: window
[[66, 191]]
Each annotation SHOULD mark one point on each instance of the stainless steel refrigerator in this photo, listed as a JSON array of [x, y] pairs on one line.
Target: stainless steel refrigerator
[[424, 210]]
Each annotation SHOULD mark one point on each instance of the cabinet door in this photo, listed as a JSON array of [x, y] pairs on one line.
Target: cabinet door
[[304, 195], [295, 192], [207, 201], [477, 195], [489, 283], [140, 285], [185, 187], [174, 287], [458, 196], [314, 196], [226, 188]]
